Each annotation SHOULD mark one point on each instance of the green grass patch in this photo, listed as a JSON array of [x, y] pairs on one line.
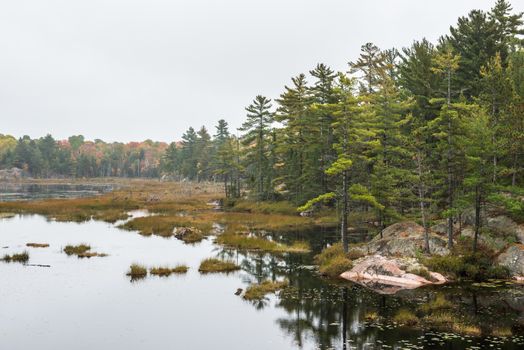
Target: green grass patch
[[260, 290], [217, 265]]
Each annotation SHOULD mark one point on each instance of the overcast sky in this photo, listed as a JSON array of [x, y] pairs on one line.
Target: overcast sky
[[124, 70]]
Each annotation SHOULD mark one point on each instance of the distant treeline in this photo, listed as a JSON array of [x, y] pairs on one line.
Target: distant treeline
[[76, 157]]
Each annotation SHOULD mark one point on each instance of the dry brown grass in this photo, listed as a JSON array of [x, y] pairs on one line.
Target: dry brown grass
[[167, 271], [246, 242], [217, 265], [164, 197], [37, 245], [260, 290]]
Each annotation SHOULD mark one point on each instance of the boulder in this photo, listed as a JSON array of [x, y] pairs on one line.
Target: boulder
[[390, 275], [188, 234], [513, 259], [494, 242]]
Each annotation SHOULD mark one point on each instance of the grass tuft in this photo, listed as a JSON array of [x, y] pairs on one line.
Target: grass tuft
[[167, 271], [37, 245], [77, 249], [137, 271], [245, 242], [20, 257], [406, 317], [217, 265], [439, 303], [260, 290], [332, 261]]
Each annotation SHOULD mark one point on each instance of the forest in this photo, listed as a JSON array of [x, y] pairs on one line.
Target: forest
[[434, 128]]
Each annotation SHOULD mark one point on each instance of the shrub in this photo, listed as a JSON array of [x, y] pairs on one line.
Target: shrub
[[473, 266]]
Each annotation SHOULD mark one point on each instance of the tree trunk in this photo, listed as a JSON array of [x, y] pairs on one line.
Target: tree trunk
[[450, 170], [422, 204], [477, 217], [345, 213], [514, 175]]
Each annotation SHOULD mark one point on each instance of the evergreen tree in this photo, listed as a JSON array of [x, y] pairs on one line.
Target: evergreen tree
[[256, 131]]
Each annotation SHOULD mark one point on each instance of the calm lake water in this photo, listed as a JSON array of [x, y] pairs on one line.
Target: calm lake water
[[21, 191], [92, 304]]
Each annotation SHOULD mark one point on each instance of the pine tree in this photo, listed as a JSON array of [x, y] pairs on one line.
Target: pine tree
[[497, 95], [369, 64], [256, 130], [446, 63]]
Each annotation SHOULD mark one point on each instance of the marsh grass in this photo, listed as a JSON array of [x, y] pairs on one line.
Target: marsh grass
[[406, 317], [19, 257], [82, 251], [137, 271], [91, 255], [502, 332], [167, 271], [111, 216], [332, 261], [447, 321], [260, 290], [76, 249], [371, 316], [163, 225], [37, 245], [245, 242], [217, 265], [438, 304], [160, 197]]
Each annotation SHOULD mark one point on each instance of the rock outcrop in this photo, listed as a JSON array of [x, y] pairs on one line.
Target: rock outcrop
[[389, 275], [513, 259], [405, 239], [506, 227]]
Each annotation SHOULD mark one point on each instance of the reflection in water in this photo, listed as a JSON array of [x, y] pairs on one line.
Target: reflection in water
[[312, 313]]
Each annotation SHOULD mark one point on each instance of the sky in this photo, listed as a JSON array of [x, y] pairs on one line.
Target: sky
[[130, 70]]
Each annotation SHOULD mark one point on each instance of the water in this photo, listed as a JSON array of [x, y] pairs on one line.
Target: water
[[23, 191], [91, 303]]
